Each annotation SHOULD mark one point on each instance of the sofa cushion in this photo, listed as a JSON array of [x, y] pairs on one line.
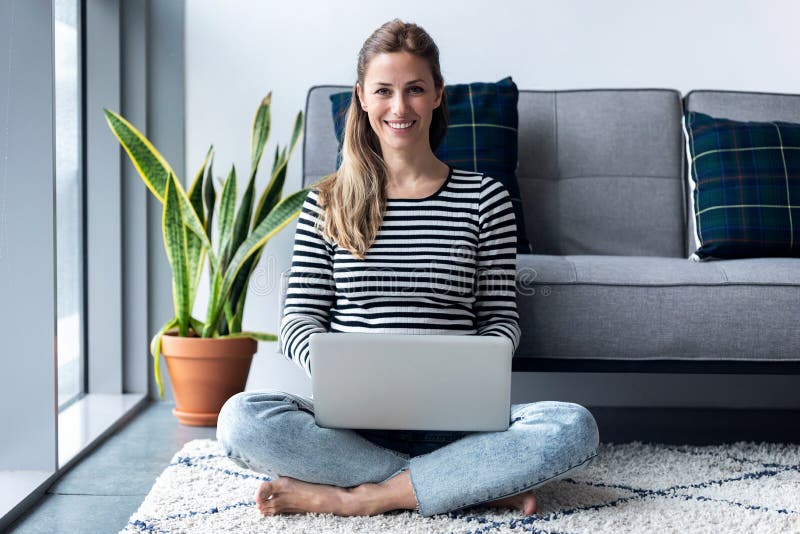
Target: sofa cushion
[[481, 135], [601, 171], [746, 193], [740, 106], [639, 308]]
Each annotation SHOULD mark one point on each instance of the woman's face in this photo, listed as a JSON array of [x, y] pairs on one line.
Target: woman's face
[[399, 97]]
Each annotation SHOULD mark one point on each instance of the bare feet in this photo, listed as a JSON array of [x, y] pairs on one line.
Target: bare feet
[[524, 502], [286, 495]]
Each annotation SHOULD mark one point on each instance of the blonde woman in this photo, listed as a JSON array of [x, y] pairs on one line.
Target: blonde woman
[[396, 241]]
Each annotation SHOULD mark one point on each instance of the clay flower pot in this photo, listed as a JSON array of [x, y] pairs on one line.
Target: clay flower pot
[[205, 372]]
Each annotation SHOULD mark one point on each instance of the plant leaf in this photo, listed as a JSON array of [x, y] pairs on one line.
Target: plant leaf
[[228, 318], [212, 312], [226, 212], [151, 165], [175, 241], [192, 220], [195, 249], [197, 326], [246, 271], [240, 230], [195, 193], [297, 129], [260, 336], [260, 132], [155, 350], [210, 197], [239, 289], [242, 223]]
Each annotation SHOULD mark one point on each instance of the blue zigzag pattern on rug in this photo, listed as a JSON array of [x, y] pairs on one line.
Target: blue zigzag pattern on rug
[[188, 461], [641, 494], [767, 469], [686, 450], [145, 526]]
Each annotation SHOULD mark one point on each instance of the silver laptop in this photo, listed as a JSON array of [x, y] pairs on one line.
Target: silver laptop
[[411, 382]]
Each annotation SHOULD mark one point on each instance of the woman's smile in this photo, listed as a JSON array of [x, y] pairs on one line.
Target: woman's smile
[[400, 127]]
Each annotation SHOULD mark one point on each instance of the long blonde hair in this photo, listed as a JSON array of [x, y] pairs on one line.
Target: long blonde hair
[[353, 199]]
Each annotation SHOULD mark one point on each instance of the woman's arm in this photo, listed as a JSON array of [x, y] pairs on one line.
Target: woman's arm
[[496, 297], [310, 293]]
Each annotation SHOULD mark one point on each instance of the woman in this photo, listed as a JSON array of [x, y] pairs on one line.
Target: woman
[[397, 241]]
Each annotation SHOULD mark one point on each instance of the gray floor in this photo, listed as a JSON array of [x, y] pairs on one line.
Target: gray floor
[[101, 492]]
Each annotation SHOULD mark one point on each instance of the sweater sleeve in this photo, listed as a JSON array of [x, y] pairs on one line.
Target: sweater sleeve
[[496, 298], [310, 292]]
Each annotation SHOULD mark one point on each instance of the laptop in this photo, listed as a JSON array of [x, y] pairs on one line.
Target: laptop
[[411, 382]]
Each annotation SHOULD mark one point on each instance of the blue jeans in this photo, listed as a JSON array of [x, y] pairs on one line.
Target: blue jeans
[[275, 433]]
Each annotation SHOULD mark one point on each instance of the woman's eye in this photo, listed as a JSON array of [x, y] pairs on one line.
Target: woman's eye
[[416, 89], [381, 89]]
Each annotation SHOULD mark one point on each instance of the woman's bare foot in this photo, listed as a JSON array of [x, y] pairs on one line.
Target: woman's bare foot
[[525, 502], [286, 495]]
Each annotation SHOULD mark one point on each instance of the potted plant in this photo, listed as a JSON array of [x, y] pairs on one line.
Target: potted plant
[[208, 361]]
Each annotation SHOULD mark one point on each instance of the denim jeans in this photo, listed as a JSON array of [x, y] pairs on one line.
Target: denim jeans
[[273, 432]]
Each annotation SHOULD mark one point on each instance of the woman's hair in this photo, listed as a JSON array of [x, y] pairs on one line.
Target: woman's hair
[[353, 199]]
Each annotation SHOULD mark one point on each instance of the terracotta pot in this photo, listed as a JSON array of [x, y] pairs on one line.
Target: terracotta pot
[[205, 372]]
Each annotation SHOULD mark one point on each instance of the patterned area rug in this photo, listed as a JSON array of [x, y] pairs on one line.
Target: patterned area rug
[[635, 487]]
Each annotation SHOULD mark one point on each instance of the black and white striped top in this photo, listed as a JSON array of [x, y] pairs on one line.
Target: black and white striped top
[[443, 264]]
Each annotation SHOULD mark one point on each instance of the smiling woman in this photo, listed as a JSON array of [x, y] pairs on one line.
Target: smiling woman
[[398, 242]]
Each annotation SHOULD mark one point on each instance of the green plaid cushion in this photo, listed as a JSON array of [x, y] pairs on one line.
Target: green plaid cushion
[[747, 186], [481, 136]]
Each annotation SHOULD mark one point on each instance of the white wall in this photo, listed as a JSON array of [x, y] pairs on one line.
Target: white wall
[[236, 51]]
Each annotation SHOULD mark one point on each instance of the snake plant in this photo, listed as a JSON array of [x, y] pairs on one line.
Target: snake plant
[[187, 229]]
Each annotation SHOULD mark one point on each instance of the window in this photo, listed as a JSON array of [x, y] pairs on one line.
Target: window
[[69, 202], [61, 245]]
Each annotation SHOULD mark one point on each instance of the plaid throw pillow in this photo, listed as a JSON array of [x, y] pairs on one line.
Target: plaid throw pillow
[[481, 136], [746, 186]]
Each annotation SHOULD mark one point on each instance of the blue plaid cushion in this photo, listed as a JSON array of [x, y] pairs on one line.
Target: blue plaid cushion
[[747, 186], [481, 136]]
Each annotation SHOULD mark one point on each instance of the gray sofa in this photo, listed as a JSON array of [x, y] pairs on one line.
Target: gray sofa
[[609, 285]]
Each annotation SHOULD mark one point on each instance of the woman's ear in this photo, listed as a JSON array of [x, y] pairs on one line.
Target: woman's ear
[[438, 101], [360, 95]]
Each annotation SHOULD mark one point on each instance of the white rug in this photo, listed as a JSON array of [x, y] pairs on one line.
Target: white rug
[[636, 487]]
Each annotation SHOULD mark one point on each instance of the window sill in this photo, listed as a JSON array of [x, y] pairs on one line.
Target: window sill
[[81, 426], [89, 419]]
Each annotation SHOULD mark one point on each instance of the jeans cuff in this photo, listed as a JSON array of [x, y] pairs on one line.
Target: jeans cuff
[[413, 487]]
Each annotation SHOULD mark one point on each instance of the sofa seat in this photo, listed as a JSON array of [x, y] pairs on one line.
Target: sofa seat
[[652, 308]]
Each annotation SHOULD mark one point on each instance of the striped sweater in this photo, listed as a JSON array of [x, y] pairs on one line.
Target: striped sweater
[[443, 264]]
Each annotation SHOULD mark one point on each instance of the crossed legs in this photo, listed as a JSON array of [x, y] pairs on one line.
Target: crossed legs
[[338, 471]]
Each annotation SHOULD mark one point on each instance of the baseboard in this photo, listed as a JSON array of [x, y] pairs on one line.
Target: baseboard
[[696, 426]]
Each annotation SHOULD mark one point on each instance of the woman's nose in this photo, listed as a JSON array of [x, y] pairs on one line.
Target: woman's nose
[[399, 106]]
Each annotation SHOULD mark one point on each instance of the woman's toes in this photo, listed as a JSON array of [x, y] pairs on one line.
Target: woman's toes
[[263, 494], [529, 504]]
